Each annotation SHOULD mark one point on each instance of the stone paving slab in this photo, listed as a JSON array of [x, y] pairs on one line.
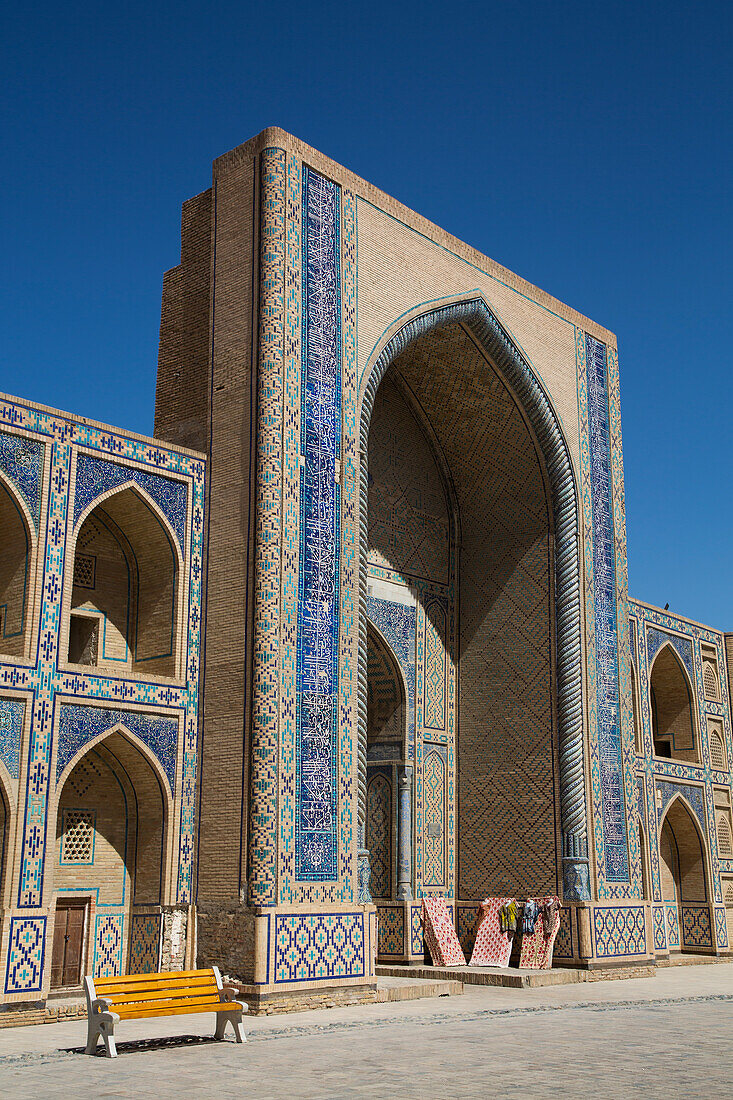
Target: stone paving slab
[[669, 1037]]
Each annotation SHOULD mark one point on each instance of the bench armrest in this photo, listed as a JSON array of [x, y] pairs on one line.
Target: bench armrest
[[231, 993], [101, 1004]]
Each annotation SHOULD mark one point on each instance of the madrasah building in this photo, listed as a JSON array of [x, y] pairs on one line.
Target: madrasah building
[[351, 630]]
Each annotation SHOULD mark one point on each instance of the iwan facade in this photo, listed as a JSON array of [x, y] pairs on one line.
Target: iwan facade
[[419, 670]]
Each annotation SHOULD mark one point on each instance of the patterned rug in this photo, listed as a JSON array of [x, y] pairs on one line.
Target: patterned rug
[[537, 948], [492, 947], [440, 934]]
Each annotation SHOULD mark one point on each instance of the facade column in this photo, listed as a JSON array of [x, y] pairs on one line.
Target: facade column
[[404, 835], [265, 694]]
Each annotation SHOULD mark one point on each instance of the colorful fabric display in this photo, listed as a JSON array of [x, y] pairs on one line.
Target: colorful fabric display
[[440, 934], [536, 953], [529, 916], [493, 946]]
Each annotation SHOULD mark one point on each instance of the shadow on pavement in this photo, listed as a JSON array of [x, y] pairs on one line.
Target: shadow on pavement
[[138, 1046]]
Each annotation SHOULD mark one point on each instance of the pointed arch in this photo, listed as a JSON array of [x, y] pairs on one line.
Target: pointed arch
[[478, 320], [16, 569], [100, 631], [145, 751], [672, 696], [387, 700], [688, 869]]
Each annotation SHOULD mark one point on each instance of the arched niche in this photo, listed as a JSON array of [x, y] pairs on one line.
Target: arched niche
[[514, 592], [386, 758], [672, 708], [112, 850], [682, 852], [124, 598], [16, 571]]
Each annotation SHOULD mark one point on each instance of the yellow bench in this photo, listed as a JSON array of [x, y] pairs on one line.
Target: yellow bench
[[137, 996]]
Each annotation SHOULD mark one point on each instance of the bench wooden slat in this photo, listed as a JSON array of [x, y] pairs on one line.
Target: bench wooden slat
[[162, 993], [133, 979], [174, 1010]]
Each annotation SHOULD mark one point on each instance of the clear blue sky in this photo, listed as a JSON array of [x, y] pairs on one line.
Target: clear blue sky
[[586, 147]]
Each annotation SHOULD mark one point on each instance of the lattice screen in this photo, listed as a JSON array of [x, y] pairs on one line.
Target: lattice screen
[[77, 845], [85, 569]]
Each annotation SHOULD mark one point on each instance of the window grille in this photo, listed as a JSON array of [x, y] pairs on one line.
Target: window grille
[[725, 840], [77, 845], [710, 680], [85, 570], [717, 752]]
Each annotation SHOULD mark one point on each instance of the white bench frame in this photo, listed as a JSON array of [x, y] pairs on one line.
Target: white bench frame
[[101, 1017]]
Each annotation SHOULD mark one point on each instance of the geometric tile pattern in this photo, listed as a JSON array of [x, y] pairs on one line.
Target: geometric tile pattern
[[606, 640], [390, 923], [12, 712], [673, 926], [80, 724], [145, 943], [417, 946], [721, 932], [24, 972], [435, 659], [564, 939], [660, 928], [434, 819], [696, 931], [396, 622], [268, 542], [21, 460], [310, 946], [316, 841], [45, 679], [693, 782], [378, 835], [108, 945], [95, 476], [619, 931]]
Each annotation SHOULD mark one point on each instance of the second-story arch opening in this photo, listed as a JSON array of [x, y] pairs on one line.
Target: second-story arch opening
[[671, 698], [124, 591]]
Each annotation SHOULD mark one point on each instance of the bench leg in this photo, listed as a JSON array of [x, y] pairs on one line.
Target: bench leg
[[235, 1017], [108, 1034], [92, 1035], [99, 1026]]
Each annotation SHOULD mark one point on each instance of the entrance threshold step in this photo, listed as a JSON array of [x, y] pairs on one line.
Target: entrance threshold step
[[408, 988], [486, 975]]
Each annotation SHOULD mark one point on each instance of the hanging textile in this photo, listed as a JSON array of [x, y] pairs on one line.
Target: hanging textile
[[440, 934], [536, 953], [492, 946]]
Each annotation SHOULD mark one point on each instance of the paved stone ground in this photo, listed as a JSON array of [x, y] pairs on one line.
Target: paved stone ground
[[664, 1037]]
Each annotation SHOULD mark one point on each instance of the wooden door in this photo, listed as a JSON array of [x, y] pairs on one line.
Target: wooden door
[[68, 943]]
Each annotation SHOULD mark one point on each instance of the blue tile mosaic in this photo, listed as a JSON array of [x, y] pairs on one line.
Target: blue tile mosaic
[[693, 795], [396, 621], [12, 712], [78, 725], [95, 476], [606, 627], [655, 639], [316, 844], [309, 946], [21, 460]]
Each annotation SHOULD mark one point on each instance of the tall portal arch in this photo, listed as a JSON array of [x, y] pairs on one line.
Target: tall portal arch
[[475, 317]]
